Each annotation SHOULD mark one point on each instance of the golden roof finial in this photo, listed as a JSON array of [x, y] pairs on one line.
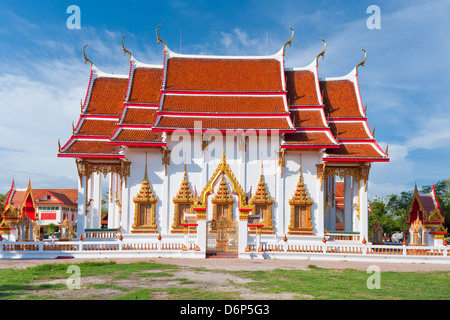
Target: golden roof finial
[[59, 146], [290, 40], [387, 147], [323, 51], [157, 36], [373, 131], [123, 47], [364, 60], [86, 59]]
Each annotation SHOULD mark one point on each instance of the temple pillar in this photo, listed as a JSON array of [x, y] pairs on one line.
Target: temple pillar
[[347, 203], [356, 205], [96, 208], [243, 234], [81, 218], [127, 212], [332, 203], [364, 211], [320, 216], [202, 232], [111, 201]]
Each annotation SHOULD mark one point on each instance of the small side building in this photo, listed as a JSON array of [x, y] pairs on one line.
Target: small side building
[[425, 220]]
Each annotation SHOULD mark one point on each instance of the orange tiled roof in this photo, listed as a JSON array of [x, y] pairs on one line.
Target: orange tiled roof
[[224, 104], [141, 116], [137, 135], [107, 96], [307, 119], [224, 123], [301, 88], [349, 130], [354, 151], [229, 75], [94, 127], [340, 98], [92, 147], [66, 196], [146, 85], [308, 138]]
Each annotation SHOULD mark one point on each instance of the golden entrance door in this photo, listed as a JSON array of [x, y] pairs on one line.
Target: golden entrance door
[[222, 235]]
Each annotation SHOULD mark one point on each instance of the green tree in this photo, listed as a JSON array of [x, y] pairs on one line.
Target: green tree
[[51, 228], [2, 201]]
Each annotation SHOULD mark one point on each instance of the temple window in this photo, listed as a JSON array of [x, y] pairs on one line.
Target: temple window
[[144, 208], [300, 220], [183, 204], [261, 203]]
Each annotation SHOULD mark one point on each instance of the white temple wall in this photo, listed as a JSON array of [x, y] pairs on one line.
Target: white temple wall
[[199, 172]]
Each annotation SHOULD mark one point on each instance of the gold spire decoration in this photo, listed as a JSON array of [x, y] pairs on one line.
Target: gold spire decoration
[[223, 194], [364, 60], [301, 194], [184, 193], [323, 51], [123, 47], [86, 59], [261, 195], [290, 40], [157, 36], [145, 193]]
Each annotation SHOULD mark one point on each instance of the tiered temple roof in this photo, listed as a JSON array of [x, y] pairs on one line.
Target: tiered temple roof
[[223, 93]]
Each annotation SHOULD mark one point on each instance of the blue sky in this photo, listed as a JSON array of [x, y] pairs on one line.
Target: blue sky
[[405, 81]]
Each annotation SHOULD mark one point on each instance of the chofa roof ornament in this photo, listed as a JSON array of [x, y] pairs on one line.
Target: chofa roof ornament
[[157, 36], [123, 47], [364, 60], [323, 51], [86, 59], [290, 40]]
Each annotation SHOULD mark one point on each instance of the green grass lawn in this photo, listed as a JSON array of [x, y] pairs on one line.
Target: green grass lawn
[[314, 283]]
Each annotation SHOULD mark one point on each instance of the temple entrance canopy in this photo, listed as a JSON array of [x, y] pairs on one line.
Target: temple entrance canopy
[[218, 204]]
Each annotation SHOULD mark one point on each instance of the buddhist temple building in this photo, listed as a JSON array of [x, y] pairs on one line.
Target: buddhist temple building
[[241, 143], [34, 209], [425, 220]]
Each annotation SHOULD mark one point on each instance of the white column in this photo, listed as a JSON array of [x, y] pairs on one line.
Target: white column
[[127, 212], [201, 234], [327, 220], [347, 204], [333, 203], [111, 201], [364, 212], [320, 216], [355, 201], [81, 205], [96, 207], [243, 235]]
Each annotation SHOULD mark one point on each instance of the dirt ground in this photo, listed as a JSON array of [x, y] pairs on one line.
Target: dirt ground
[[245, 264], [203, 274]]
